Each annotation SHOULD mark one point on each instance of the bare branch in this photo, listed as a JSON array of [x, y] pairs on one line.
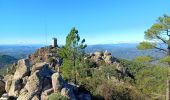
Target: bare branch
[[160, 49], [163, 40]]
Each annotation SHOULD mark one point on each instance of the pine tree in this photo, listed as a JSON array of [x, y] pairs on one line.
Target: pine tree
[[72, 53], [158, 36]]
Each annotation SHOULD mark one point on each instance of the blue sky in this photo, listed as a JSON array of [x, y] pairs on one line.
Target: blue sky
[[98, 21]]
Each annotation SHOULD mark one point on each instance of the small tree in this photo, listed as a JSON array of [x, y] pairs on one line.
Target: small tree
[[158, 36], [72, 53]]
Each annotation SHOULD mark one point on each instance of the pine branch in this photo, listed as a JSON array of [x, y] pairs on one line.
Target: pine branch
[[160, 49], [163, 40]]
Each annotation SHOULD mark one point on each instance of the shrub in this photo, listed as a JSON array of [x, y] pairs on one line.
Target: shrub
[[56, 96]]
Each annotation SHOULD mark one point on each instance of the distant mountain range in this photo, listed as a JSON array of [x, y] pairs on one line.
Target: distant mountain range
[[6, 59], [124, 50], [18, 51], [11, 53]]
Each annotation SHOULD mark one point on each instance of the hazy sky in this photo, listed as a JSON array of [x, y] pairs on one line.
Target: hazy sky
[[98, 21]]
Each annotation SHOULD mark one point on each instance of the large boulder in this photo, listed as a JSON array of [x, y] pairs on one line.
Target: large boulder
[[23, 69], [98, 54], [8, 82], [67, 92], [32, 88], [36, 97], [57, 82], [34, 82], [2, 87], [46, 93], [15, 87], [25, 95], [46, 84], [8, 85], [43, 68], [108, 59], [39, 66], [106, 53]]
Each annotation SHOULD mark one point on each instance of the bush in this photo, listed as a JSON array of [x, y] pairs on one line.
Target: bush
[[56, 96], [151, 81]]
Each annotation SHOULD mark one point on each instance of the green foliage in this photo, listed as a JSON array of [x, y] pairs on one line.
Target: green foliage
[[165, 59], [145, 45], [8, 69], [142, 59], [156, 31], [132, 66], [104, 84], [157, 35], [5, 60], [151, 81], [56, 96], [72, 54]]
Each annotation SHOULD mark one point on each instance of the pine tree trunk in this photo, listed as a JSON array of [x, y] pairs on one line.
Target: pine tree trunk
[[168, 53], [168, 89]]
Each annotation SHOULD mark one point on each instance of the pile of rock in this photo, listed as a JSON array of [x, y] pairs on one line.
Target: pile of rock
[[37, 83], [102, 56]]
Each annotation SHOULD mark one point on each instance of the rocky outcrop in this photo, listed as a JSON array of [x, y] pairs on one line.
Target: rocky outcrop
[[40, 55], [15, 87], [2, 87], [23, 69], [37, 83], [102, 56], [57, 82], [34, 83], [67, 92]]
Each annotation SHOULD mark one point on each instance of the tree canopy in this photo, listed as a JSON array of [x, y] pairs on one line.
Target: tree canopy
[[158, 35]]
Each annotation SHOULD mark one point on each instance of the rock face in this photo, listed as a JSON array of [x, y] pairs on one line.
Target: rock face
[[67, 92], [2, 86], [57, 82], [36, 83], [15, 87], [23, 69], [41, 55], [102, 56]]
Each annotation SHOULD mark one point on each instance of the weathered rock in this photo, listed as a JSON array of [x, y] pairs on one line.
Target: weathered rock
[[16, 86], [108, 59], [72, 87], [1, 77], [8, 85], [68, 93], [8, 77], [4, 97], [99, 54], [2, 87], [8, 82], [39, 66], [46, 84], [25, 95], [57, 82], [36, 97], [46, 93], [106, 53], [23, 69], [34, 83], [43, 68], [40, 55], [25, 79]]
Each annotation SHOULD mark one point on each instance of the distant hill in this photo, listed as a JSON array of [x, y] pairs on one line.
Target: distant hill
[[18, 51], [121, 50], [5, 60], [124, 50]]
